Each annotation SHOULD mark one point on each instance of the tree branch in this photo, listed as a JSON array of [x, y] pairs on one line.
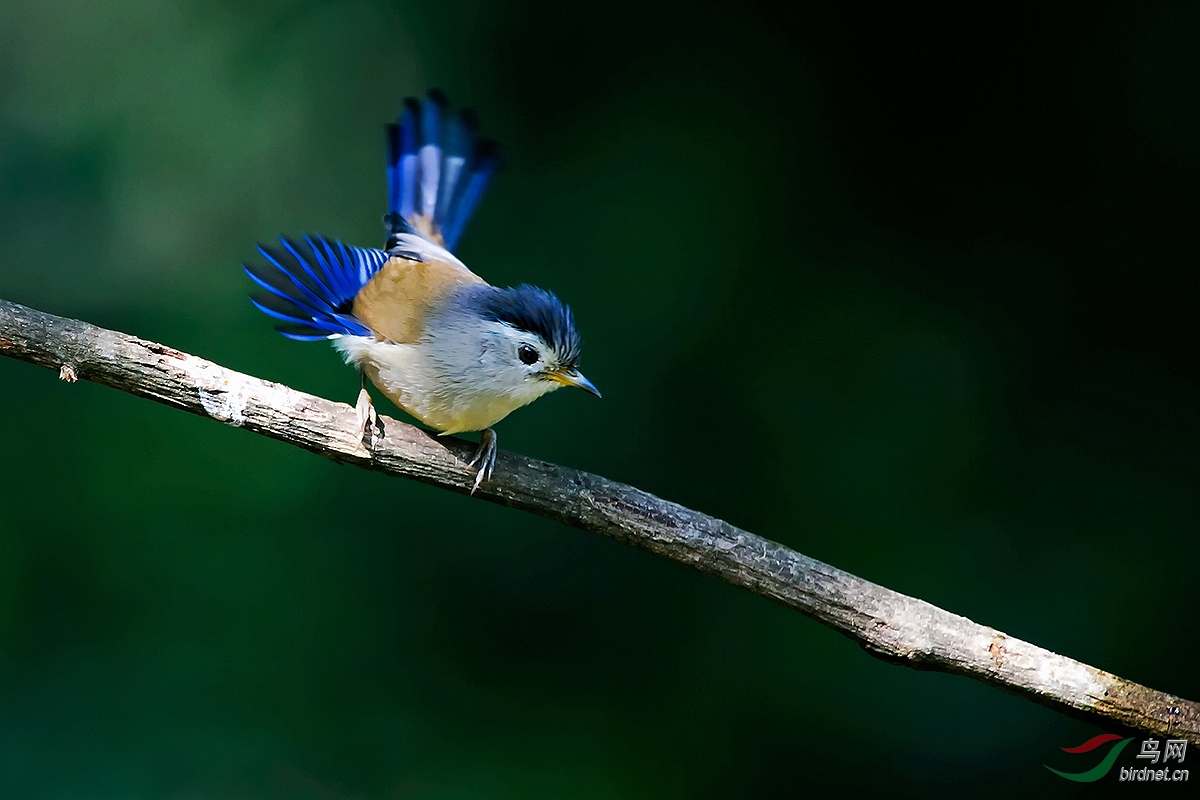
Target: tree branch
[[887, 624]]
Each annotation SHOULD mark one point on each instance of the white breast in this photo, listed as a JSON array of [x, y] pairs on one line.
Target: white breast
[[450, 397]]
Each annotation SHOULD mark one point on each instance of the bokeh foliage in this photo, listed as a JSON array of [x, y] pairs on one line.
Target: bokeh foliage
[[912, 292]]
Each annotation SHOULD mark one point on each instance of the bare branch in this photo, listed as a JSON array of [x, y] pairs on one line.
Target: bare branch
[[890, 625]]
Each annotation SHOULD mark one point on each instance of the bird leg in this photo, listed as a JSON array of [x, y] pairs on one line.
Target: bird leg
[[485, 457], [368, 421]]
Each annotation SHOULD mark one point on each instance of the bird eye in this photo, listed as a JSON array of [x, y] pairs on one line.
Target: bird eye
[[527, 354]]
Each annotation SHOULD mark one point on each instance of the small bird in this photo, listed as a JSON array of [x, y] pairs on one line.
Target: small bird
[[440, 342]]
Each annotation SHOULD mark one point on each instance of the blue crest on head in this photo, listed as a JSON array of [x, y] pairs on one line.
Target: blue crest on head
[[528, 308]]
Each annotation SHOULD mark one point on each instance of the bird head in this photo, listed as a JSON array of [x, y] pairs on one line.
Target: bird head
[[502, 347], [530, 342]]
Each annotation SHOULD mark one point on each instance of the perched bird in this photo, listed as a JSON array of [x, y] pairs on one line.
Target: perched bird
[[439, 341]]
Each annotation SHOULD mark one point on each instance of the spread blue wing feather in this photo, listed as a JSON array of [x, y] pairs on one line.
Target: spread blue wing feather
[[438, 166], [311, 286]]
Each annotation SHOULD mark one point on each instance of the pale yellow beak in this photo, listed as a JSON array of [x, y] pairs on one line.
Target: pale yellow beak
[[573, 377]]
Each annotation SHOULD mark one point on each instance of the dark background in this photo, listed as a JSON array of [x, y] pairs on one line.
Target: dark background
[[911, 291]]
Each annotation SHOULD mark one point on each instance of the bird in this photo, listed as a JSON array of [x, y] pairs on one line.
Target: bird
[[451, 350]]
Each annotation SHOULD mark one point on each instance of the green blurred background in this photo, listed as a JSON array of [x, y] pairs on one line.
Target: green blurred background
[[912, 292]]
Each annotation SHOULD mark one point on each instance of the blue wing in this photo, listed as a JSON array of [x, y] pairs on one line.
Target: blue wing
[[310, 287], [438, 168]]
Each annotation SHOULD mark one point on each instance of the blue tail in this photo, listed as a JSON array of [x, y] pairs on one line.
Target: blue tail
[[311, 288], [437, 167]]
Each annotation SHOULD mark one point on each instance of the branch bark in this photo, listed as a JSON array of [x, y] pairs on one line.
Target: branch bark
[[900, 629]]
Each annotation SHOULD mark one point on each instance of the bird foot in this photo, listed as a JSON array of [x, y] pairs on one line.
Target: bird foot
[[370, 426], [485, 457]]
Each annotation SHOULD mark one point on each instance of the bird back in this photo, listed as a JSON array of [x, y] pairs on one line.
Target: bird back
[[397, 300]]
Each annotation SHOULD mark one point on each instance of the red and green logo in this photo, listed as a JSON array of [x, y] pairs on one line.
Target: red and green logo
[[1100, 770]]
